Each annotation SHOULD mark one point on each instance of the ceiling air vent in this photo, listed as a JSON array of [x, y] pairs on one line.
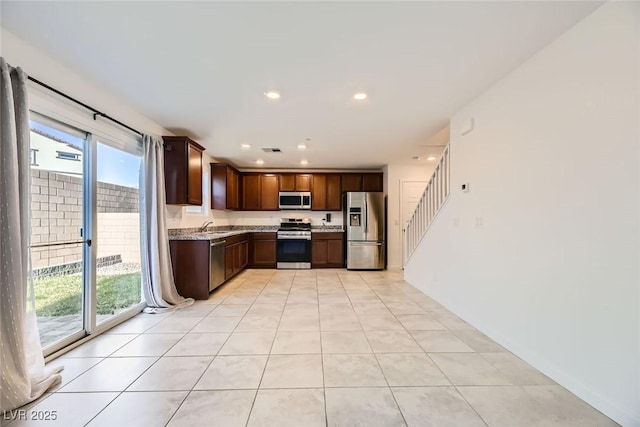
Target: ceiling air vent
[[272, 150]]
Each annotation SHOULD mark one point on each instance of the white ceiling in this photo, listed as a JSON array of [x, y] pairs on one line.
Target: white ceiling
[[201, 68]]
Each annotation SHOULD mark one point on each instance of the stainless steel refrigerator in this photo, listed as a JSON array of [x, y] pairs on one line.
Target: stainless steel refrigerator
[[364, 220]]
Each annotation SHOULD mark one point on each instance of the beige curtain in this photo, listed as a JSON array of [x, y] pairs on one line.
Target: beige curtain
[[158, 286], [24, 377]]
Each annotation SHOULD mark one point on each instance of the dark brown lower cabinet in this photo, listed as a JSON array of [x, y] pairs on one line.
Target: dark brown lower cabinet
[[190, 260], [236, 257], [327, 250], [263, 250]]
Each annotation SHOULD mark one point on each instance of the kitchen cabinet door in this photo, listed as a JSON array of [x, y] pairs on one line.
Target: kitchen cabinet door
[[327, 250], [319, 255], [224, 187], [303, 182], [334, 192], [237, 257], [269, 192], [194, 180], [319, 192], [229, 257], [236, 254], [264, 250], [244, 255], [335, 253], [372, 182], [233, 189], [190, 262], [287, 182], [251, 192], [183, 170], [351, 182]]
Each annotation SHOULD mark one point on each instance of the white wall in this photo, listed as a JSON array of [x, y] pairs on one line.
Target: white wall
[[552, 271], [274, 218], [39, 65], [395, 175]]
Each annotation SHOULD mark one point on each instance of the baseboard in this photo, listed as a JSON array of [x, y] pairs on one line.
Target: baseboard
[[622, 415]]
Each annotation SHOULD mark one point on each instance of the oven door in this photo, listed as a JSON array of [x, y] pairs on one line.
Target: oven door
[[294, 253]]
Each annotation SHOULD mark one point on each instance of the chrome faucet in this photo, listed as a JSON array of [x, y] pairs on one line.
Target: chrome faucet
[[205, 225]]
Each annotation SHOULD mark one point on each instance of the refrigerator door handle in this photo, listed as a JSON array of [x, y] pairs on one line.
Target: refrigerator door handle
[[365, 243], [366, 215]]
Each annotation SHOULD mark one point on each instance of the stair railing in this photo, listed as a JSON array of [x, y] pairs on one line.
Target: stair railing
[[433, 197]]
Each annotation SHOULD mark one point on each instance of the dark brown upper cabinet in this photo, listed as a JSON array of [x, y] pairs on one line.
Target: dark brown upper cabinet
[[319, 192], [351, 182], [334, 192], [183, 170], [303, 182], [362, 182], [372, 182], [225, 187], [260, 192], [250, 192], [326, 192], [295, 182], [269, 192]]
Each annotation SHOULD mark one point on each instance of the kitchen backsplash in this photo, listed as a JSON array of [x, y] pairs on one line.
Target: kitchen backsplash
[[178, 217]]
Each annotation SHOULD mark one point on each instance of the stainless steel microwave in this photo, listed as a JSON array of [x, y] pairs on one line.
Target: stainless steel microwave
[[294, 200]]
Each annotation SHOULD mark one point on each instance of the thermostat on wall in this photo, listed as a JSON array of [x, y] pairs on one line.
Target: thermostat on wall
[[465, 187]]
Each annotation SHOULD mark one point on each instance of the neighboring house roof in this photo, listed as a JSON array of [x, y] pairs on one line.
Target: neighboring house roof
[[46, 135]]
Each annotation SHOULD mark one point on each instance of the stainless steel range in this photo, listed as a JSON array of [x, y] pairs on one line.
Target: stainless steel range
[[294, 244]]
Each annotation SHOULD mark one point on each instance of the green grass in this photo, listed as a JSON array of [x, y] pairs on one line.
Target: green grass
[[62, 295]]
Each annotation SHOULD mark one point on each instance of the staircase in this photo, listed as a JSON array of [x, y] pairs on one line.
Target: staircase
[[434, 196]]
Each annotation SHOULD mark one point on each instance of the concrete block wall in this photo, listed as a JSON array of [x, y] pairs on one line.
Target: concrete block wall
[[119, 234], [56, 216]]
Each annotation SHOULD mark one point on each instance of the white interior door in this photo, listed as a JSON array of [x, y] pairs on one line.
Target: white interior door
[[410, 193]]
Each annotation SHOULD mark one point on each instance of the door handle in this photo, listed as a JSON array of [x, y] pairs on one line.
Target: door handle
[[365, 244], [366, 215]]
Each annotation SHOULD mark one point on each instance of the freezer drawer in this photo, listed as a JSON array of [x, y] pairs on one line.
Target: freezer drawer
[[365, 255]]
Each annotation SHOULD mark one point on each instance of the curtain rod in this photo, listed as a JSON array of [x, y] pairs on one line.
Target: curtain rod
[[95, 111]]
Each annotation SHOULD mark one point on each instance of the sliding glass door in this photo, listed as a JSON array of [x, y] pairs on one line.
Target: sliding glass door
[[58, 240], [118, 232], [85, 231]]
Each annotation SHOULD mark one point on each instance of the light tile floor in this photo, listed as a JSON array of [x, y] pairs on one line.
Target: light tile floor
[[305, 348]]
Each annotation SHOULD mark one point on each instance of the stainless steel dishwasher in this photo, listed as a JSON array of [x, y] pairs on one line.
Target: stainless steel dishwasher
[[216, 264]]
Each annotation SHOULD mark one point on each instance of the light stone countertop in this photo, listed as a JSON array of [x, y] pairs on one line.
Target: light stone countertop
[[215, 234]]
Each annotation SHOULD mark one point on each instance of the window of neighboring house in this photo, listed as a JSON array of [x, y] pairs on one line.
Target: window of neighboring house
[[67, 156], [33, 157]]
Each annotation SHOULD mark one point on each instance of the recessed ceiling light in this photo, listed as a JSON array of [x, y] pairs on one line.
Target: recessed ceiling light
[[431, 158], [245, 146], [302, 146], [304, 162], [360, 96], [272, 94], [260, 162]]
